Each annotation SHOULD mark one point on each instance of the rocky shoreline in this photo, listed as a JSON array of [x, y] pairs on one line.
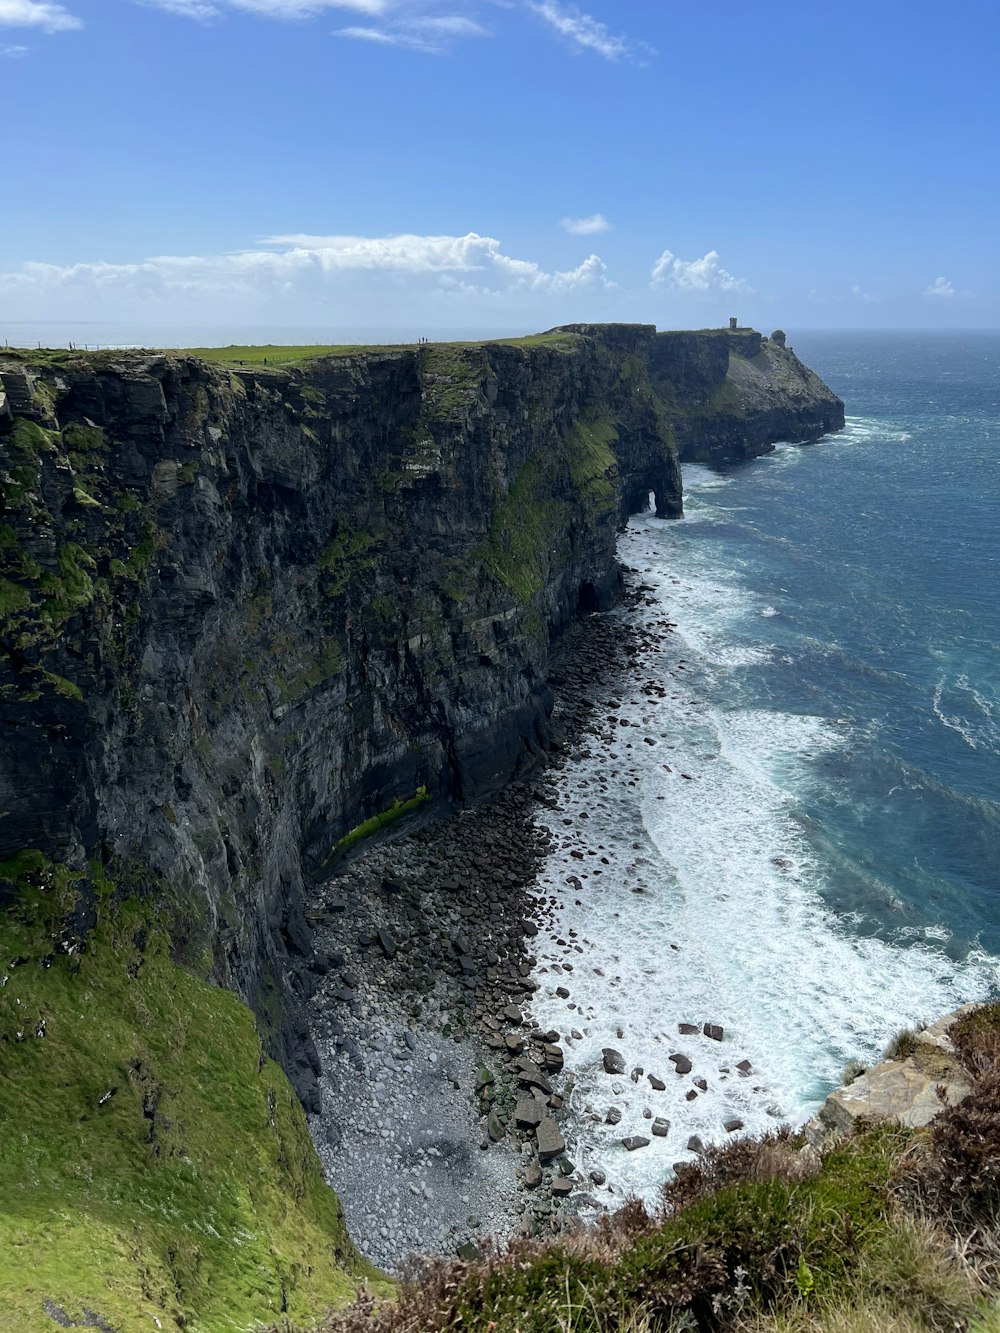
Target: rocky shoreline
[[441, 1102]]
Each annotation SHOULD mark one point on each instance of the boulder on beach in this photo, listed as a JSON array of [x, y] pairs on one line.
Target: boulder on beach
[[549, 1139], [635, 1141], [681, 1063], [661, 1127], [528, 1112], [614, 1061], [552, 1057], [484, 1078], [532, 1176], [530, 1076]]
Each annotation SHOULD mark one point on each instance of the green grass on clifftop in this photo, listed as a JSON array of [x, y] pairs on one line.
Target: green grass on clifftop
[[154, 1164], [277, 354]]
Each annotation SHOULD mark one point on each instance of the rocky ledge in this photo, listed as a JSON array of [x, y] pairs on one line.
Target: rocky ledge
[[909, 1088]]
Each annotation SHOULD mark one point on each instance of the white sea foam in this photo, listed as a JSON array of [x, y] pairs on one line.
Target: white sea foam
[[699, 478], [688, 891], [860, 430], [976, 725]]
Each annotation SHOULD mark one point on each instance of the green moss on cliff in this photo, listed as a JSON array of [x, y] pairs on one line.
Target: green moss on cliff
[[518, 548], [155, 1164], [13, 599], [27, 439], [326, 662], [383, 820], [340, 557], [72, 588], [593, 467], [450, 375]]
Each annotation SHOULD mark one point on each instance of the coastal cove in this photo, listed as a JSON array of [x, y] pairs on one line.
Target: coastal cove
[[394, 556], [722, 844], [798, 796]]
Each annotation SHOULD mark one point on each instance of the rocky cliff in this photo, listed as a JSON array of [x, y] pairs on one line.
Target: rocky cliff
[[246, 610], [732, 394]]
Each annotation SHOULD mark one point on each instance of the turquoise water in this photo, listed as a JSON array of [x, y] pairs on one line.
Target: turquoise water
[[811, 808], [879, 553]]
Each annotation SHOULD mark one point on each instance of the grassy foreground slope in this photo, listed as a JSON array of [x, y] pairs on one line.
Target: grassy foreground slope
[[154, 1165]]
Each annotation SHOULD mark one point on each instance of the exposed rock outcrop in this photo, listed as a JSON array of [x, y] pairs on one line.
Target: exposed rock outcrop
[[733, 395], [909, 1090]]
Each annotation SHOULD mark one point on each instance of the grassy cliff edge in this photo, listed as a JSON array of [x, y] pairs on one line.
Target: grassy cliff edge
[[156, 1168]]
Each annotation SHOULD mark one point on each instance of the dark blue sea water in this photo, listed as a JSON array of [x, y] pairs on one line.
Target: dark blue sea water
[[815, 827]]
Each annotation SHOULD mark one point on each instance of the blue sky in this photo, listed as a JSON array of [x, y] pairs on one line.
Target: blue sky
[[499, 164]]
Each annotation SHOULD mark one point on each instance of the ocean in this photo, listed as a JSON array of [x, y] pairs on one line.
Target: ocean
[[788, 822]]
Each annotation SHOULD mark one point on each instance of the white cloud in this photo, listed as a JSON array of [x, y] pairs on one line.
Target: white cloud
[[704, 276], [412, 24], [350, 278], [430, 34], [591, 226], [867, 297], [940, 287], [204, 10], [454, 25], [40, 14], [296, 9], [586, 33], [14, 52], [185, 9]]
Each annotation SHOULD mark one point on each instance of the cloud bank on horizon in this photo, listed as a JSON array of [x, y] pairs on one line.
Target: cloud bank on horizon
[[403, 280], [349, 278]]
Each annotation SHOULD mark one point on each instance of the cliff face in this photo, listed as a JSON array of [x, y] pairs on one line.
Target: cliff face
[[732, 395], [244, 610]]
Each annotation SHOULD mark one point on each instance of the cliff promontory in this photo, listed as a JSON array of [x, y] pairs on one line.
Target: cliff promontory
[[248, 613]]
